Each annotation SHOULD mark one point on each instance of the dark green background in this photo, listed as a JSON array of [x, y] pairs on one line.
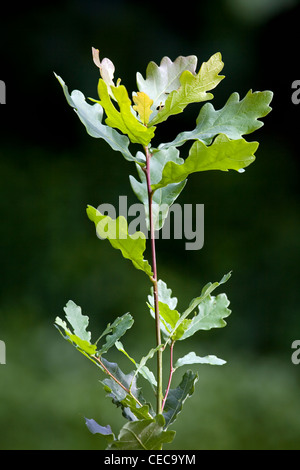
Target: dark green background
[[51, 169]]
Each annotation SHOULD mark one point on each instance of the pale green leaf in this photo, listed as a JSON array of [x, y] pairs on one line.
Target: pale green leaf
[[235, 119], [145, 434], [211, 313], [116, 231], [169, 316], [114, 332], [83, 346], [205, 294], [163, 198], [91, 117], [177, 397], [193, 88], [124, 120], [192, 358], [79, 337], [223, 154], [78, 321], [163, 79]]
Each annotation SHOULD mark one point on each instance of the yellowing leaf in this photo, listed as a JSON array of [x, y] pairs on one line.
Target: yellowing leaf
[[124, 120], [142, 105]]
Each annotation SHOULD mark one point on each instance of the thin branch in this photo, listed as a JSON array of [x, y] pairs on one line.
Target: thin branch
[[118, 382], [170, 376]]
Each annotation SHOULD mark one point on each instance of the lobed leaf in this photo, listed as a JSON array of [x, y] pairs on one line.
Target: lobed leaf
[[193, 88], [211, 313], [80, 338], [223, 154], [205, 294], [192, 358], [163, 198], [143, 106], [78, 321], [116, 231], [163, 79], [146, 434], [91, 117], [124, 120], [235, 119], [169, 316], [114, 332], [177, 397]]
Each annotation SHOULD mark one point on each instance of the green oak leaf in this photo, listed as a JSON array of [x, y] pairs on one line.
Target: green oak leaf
[[193, 88], [80, 338], [192, 358], [127, 380], [145, 434], [91, 117], [163, 198], [205, 294], [116, 231], [211, 313], [78, 321], [235, 119], [120, 397], [163, 79], [176, 397], [124, 120], [223, 154], [169, 316], [114, 332]]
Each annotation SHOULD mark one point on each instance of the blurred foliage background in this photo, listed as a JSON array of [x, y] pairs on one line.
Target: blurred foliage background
[[51, 169]]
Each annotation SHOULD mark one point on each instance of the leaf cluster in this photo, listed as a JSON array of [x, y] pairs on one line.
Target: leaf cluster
[[216, 143], [145, 429]]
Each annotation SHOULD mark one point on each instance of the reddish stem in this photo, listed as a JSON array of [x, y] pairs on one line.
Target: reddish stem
[[170, 376]]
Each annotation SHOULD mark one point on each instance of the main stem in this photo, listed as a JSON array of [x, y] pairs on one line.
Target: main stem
[[159, 395]]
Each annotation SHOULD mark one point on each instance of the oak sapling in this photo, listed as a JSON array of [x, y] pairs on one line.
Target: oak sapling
[[217, 143]]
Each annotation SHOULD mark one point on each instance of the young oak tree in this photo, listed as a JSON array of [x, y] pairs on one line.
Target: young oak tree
[[217, 143]]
